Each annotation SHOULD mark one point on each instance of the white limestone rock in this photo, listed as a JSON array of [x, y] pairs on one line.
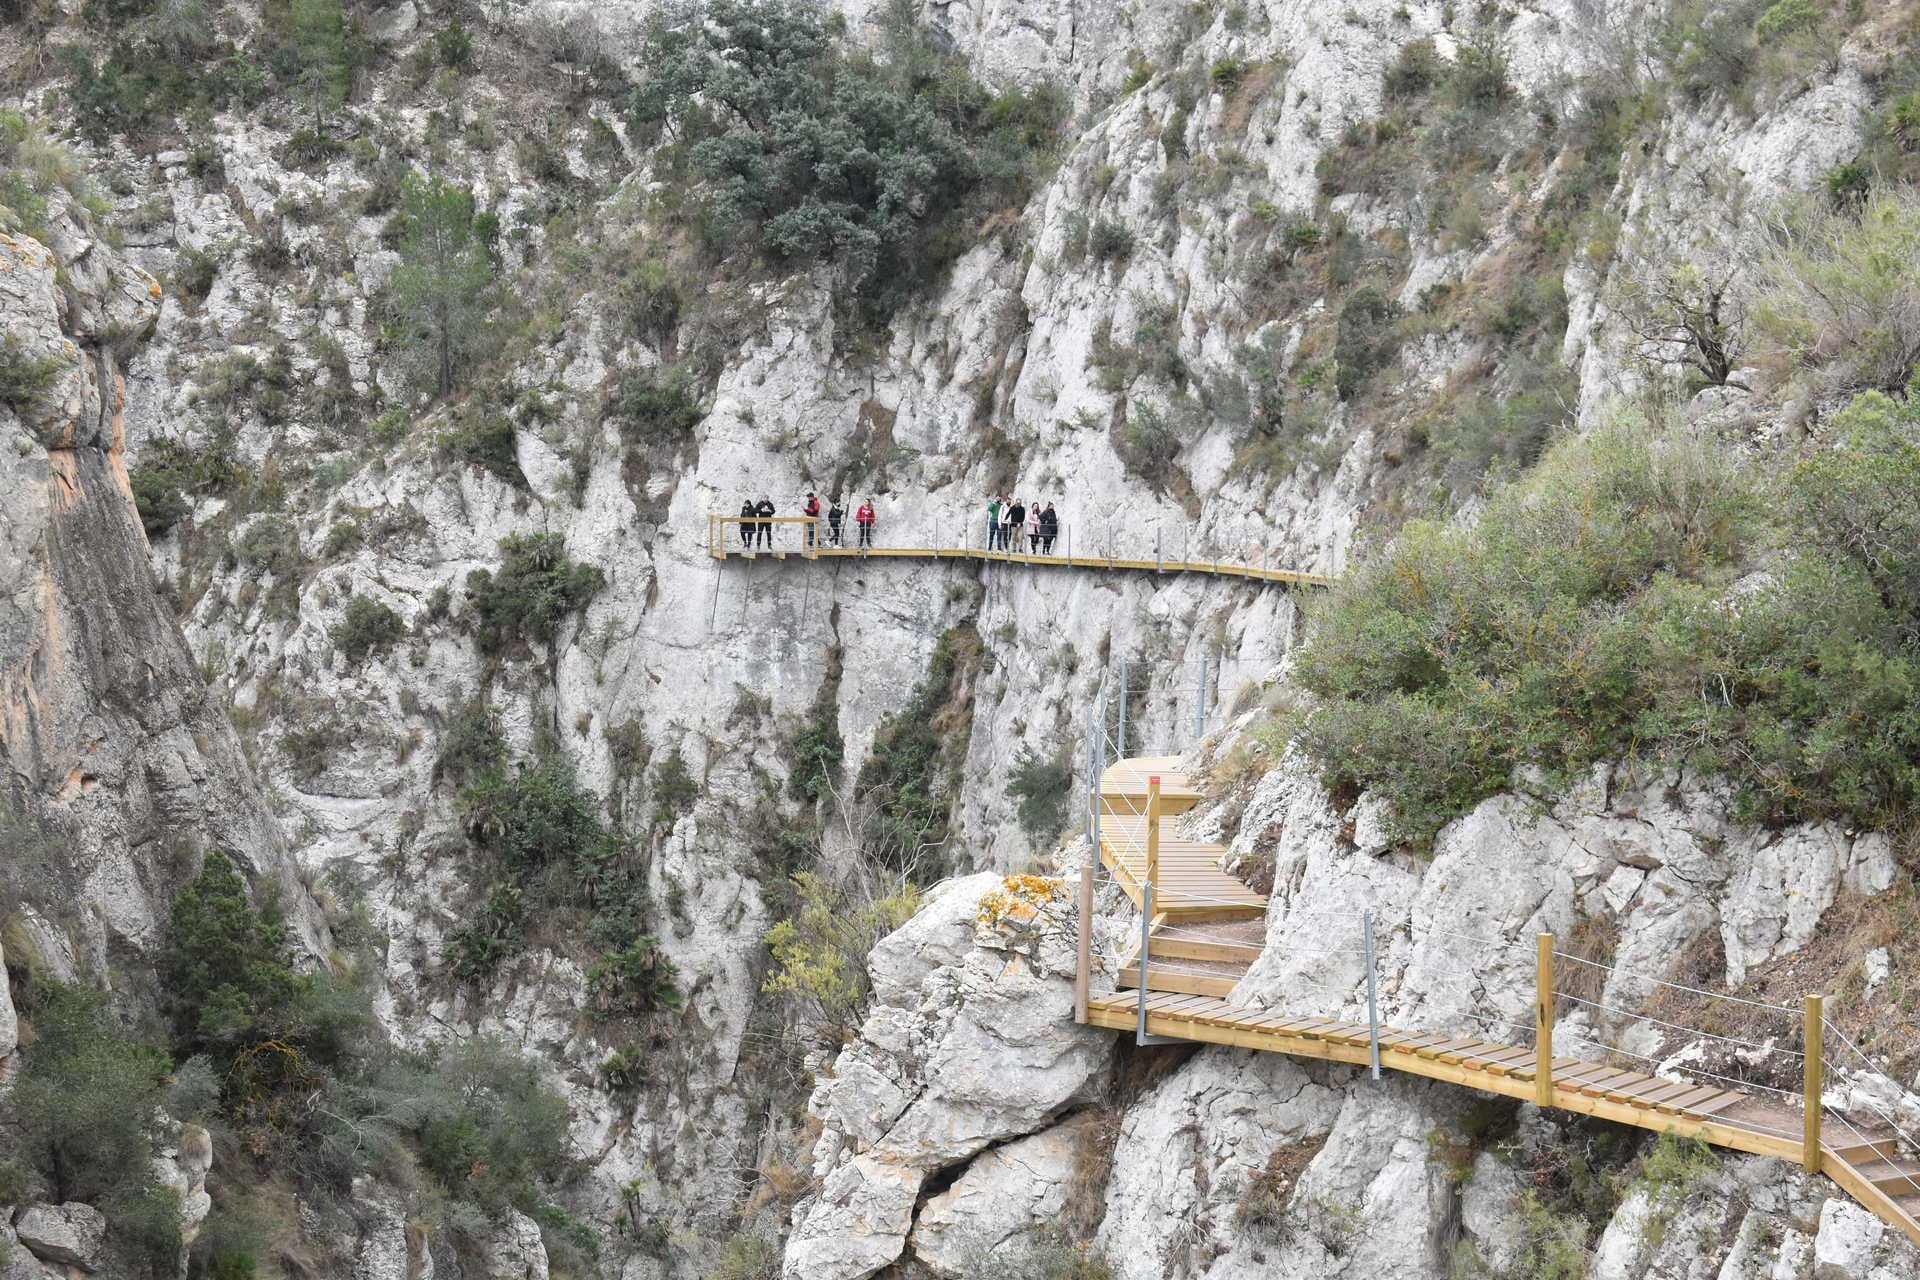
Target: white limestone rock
[[1004, 1196], [989, 1051], [71, 1233]]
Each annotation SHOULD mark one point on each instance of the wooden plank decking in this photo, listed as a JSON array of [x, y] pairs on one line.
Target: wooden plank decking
[[1191, 885], [1190, 978]]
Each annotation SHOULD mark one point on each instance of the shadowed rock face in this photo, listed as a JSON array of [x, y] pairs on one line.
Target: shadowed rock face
[[109, 740]]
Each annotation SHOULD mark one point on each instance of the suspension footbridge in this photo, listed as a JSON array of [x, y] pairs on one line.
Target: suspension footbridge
[[1177, 979]]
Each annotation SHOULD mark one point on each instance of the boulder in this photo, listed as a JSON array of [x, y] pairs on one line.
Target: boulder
[[973, 1044], [72, 1233], [1845, 1245], [1004, 1195], [517, 1252]]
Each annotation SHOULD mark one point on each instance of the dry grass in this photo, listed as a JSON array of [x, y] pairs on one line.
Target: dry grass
[[1095, 1133], [1594, 939]]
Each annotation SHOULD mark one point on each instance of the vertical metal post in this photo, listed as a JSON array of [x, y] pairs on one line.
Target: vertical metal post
[[1153, 832], [1122, 745], [1373, 1007], [1543, 1020], [1083, 963], [1200, 701], [1146, 939], [1156, 548], [1810, 1102]]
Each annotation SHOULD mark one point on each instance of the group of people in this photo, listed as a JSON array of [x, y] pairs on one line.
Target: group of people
[[756, 528], [1008, 522]]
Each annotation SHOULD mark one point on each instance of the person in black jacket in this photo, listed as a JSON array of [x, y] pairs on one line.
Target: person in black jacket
[[766, 508], [1049, 530], [1016, 525], [747, 526], [835, 515]]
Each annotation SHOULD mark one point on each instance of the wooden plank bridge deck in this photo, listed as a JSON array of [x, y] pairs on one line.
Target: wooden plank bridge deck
[[722, 545], [1191, 999]]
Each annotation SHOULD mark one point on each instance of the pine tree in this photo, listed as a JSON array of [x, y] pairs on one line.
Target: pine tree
[[224, 964], [443, 287], [319, 48]]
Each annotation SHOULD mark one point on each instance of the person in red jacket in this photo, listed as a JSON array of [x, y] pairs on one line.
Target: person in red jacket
[[812, 510], [864, 518]]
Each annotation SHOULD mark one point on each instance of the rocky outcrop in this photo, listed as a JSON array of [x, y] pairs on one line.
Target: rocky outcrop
[[112, 745], [73, 1234], [963, 1049]]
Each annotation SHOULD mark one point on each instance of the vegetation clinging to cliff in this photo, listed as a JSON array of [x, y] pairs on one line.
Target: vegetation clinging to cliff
[[1591, 614], [814, 153]]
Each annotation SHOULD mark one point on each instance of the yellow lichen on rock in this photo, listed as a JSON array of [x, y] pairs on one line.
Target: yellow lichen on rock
[[1020, 900]]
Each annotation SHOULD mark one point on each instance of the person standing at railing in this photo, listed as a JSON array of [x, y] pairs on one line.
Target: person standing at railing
[[835, 514], [747, 525], [811, 510], [1033, 529], [994, 507], [766, 508], [1015, 525], [864, 518], [1049, 529]]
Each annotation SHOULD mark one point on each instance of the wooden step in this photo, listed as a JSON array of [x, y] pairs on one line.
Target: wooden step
[[1191, 984], [1190, 949], [1856, 1152]]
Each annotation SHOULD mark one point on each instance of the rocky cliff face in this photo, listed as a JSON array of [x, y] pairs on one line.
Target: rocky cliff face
[[1229, 1163], [1241, 153], [116, 755]]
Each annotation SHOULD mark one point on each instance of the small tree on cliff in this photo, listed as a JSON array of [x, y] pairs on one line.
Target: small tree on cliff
[[443, 287]]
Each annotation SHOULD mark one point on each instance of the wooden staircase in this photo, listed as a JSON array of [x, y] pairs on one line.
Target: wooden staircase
[[1208, 928]]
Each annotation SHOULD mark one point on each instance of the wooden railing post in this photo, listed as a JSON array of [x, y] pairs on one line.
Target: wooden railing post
[[1083, 965], [1815, 1037], [1543, 1020], [1153, 832]]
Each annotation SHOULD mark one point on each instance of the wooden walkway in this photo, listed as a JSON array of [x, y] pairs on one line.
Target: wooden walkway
[[1190, 885], [723, 544], [1189, 997]]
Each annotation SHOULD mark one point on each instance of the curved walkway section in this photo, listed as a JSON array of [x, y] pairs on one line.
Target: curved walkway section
[[1207, 928], [725, 541]]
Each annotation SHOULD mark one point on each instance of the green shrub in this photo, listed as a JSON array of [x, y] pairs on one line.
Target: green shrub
[[906, 786], [535, 590], [473, 745], [1786, 18], [1415, 70], [1584, 618], [1477, 80], [158, 498], [807, 153], [1840, 295], [536, 819], [497, 931], [820, 950], [81, 1106], [486, 441], [637, 980], [1365, 340], [1044, 788], [1227, 73], [368, 627], [443, 288], [453, 46], [26, 379], [225, 968], [818, 748], [656, 406], [1109, 242], [486, 1124], [674, 789]]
